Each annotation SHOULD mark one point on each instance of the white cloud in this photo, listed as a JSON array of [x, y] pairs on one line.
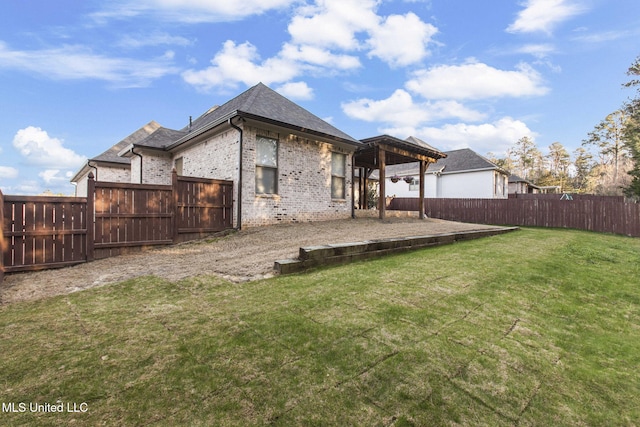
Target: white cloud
[[241, 64], [333, 23], [494, 137], [324, 39], [538, 50], [154, 39], [79, 62], [607, 36], [7, 172], [400, 110], [320, 57], [52, 176], [544, 15], [188, 11], [476, 81], [401, 40], [38, 148], [296, 90]]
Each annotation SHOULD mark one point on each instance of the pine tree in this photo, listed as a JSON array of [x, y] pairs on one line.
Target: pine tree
[[632, 132]]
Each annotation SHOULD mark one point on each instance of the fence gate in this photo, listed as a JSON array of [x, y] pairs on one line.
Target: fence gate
[[43, 232], [47, 232]]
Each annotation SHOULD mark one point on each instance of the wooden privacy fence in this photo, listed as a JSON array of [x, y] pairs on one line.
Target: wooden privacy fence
[[606, 216], [49, 232]]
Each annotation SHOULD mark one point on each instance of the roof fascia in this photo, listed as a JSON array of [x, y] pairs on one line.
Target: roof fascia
[[128, 150], [302, 131], [201, 130], [270, 123]]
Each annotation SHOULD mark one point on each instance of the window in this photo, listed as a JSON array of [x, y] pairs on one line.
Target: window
[[338, 175], [178, 166], [414, 185], [266, 165]]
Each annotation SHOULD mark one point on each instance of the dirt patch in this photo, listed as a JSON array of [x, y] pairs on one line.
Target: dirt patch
[[240, 256]]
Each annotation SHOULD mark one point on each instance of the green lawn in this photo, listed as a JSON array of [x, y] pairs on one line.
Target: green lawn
[[536, 327]]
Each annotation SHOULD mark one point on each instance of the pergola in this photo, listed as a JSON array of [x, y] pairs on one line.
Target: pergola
[[383, 150]]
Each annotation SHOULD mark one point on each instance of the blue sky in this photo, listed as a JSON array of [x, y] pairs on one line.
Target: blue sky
[[78, 76]]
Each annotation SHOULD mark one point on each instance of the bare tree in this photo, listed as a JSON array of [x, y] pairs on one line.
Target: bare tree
[[608, 138]]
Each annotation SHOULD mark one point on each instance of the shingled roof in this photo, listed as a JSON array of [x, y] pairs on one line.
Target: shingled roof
[[111, 155], [463, 160], [264, 104], [161, 138]]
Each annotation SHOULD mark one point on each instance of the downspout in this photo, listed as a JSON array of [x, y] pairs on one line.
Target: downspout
[[133, 152], [239, 226], [94, 167]]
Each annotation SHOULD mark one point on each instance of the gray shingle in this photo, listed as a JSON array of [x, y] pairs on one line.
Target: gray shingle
[[462, 160], [456, 161], [263, 102], [161, 138], [111, 155]]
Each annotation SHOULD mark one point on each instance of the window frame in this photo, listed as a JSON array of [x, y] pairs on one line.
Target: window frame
[[341, 178], [414, 185], [266, 167]]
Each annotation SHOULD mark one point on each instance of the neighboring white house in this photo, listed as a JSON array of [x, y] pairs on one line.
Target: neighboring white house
[[519, 185], [462, 174]]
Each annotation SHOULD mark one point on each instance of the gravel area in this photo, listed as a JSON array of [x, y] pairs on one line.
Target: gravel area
[[239, 256]]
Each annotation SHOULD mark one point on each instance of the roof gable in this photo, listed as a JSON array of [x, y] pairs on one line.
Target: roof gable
[[111, 155], [161, 138], [262, 102]]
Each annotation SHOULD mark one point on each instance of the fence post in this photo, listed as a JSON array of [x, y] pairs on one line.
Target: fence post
[[91, 215], [174, 201], [2, 242]]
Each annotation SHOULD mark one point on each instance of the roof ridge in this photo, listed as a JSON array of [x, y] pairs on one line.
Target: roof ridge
[[253, 92]]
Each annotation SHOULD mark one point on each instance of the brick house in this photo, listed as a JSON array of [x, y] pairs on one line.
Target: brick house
[[287, 165], [109, 166]]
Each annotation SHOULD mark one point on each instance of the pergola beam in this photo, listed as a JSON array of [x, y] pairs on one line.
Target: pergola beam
[[411, 157]]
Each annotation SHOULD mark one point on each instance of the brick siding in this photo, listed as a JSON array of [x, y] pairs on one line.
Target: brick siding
[[304, 176]]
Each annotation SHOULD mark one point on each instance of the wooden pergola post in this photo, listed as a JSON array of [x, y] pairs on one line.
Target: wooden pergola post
[[353, 193], [382, 199], [421, 190], [364, 197]]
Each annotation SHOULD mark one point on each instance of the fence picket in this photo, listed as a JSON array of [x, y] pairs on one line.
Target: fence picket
[[600, 214], [43, 232]]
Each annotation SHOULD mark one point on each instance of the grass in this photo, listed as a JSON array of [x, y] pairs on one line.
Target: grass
[[536, 327]]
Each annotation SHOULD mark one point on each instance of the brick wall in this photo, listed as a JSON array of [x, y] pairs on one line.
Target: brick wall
[[104, 174], [155, 168], [215, 158], [304, 182], [304, 176]]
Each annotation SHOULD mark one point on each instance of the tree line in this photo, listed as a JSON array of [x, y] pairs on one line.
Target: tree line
[[606, 163]]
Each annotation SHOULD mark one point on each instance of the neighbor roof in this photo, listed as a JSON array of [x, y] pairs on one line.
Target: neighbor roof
[[111, 155], [464, 159], [264, 104], [457, 161]]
